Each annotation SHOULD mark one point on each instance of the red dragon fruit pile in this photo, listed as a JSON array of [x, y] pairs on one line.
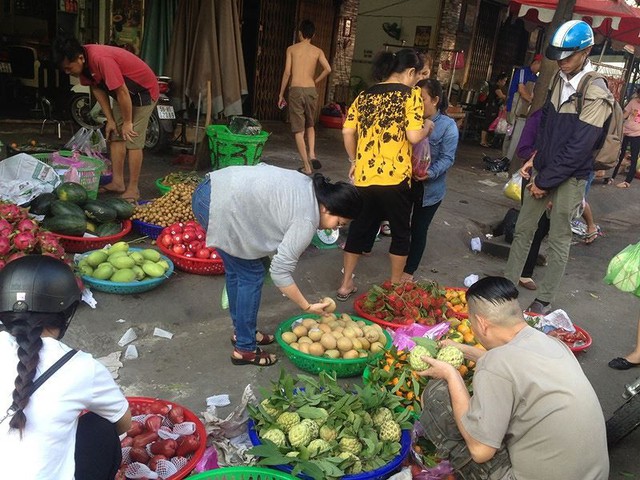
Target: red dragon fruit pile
[[20, 236]]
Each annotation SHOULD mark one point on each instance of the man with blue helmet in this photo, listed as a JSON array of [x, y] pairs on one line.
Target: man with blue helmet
[[565, 146]]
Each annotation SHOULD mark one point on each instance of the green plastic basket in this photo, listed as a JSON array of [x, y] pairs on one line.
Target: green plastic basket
[[89, 173], [162, 188], [341, 367], [242, 473], [229, 149]]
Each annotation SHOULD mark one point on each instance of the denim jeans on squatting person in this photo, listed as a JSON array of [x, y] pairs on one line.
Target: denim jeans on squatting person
[[243, 278]]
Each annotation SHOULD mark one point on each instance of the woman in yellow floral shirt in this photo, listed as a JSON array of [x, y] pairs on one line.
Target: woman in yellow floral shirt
[[382, 125]]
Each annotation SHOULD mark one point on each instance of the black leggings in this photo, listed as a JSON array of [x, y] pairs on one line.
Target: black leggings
[[635, 150], [420, 221], [98, 454]]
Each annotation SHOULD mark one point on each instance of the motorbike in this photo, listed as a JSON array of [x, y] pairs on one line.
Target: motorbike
[[86, 112], [627, 417]]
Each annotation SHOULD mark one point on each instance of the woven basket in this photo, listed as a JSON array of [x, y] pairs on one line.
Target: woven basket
[[342, 367], [189, 416], [199, 266]]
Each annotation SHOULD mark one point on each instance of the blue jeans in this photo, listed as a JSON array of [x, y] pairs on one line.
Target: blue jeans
[[243, 278]]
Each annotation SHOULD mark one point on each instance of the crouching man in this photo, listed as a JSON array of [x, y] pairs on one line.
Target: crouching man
[[533, 413]]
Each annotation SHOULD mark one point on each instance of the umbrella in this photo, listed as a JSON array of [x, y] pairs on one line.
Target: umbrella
[[205, 43], [158, 25], [613, 19]]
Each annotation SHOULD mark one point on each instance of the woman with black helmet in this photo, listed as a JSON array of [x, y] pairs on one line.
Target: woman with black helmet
[[43, 433]]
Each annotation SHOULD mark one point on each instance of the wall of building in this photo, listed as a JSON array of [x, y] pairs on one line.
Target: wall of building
[[407, 14]]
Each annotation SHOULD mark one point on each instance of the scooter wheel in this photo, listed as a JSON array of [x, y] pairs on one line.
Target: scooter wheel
[[624, 420]]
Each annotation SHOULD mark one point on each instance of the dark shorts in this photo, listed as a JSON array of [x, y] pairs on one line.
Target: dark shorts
[[302, 108], [382, 202], [440, 428]]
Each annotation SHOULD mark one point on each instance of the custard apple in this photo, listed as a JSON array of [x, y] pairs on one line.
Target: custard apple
[[366, 418], [382, 415], [299, 435], [350, 444], [320, 421], [353, 468], [451, 355], [327, 433], [415, 358], [270, 409], [389, 431], [317, 447], [314, 429], [287, 420], [276, 435]]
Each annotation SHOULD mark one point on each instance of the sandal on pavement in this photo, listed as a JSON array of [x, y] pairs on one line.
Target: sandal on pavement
[[527, 283], [343, 297], [623, 185], [261, 339], [301, 170], [385, 229], [259, 358], [621, 363], [315, 163], [104, 189], [608, 181]]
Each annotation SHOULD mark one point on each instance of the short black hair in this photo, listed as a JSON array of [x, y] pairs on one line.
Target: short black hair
[[434, 88], [502, 75], [307, 28], [66, 47], [340, 198], [386, 63], [495, 290]]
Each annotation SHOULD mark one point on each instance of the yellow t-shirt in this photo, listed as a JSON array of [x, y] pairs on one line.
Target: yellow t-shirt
[[381, 115]]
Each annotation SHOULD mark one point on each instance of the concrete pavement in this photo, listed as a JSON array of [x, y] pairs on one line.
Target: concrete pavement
[[195, 363]]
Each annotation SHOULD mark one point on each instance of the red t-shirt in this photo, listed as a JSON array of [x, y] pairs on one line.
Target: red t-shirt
[[111, 67]]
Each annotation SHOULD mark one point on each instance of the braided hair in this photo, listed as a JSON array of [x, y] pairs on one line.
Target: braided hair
[[27, 328]]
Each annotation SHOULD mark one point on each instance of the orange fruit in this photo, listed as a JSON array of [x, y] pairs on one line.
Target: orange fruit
[[463, 328], [469, 338], [463, 370]]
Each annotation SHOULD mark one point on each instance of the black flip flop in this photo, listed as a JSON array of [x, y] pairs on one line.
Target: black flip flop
[[346, 296], [315, 163], [621, 363]]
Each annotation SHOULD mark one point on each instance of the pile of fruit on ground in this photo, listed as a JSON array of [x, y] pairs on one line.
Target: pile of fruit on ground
[[174, 206], [426, 303], [326, 431]]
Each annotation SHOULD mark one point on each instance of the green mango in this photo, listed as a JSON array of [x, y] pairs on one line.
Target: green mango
[[153, 270], [103, 272], [124, 275], [123, 262], [151, 254], [96, 258], [118, 247]]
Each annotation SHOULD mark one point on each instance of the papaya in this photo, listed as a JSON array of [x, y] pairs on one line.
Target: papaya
[[72, 192]]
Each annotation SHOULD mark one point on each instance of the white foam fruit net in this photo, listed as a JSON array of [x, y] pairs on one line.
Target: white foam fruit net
[[184, 428], [165, 469], [139, 470]]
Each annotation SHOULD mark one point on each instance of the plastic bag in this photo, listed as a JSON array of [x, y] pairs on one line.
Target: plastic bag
[[513, 188], [23, 177], [403, 337], [623, 271], [244, 125], [421, 158], [502, 128]]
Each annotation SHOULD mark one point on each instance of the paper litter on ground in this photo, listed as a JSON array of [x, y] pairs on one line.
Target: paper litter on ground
[[218, 401], [128, 337], [488, 183], [131, 353], [112, 362], [471, 279], [87, 297], [159, 332], [229, 435]]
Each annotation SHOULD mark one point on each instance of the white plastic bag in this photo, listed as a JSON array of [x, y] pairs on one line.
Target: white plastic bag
[[502, 127], [23, 177], [513, 188]]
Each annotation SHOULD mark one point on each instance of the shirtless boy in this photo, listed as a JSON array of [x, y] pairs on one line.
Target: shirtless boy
[[300, 69]]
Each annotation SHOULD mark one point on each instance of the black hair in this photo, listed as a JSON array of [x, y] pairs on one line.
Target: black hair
[[307, 28], [387, 63], [66, 47], [496, 290], [502, 75], [27, 328], [340, 198], [434, 89]]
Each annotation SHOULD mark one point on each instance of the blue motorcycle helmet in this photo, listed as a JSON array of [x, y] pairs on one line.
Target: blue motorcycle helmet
[[570, 37]]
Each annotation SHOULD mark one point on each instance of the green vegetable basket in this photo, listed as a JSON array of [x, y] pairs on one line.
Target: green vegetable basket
[[89, 172], [242, 473], [229, 149], [342, 367]]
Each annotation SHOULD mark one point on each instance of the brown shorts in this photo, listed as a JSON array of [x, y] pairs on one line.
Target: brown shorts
[[302, 108], [140, 119]]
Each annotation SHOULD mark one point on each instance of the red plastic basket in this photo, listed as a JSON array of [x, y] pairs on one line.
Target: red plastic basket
[[573, 348], [199, 266], [357, 305], [85, 244], [188, 416]]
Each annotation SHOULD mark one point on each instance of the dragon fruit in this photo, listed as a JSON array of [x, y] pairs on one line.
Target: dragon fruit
[[27, 225], [6, 228], [24, 241], [5, 246], [11, 212]]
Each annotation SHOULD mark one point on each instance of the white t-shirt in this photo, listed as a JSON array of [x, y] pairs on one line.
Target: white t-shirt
[[46, 450]]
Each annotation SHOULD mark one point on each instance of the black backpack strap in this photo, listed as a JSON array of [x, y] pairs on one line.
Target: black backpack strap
[[45, 376]]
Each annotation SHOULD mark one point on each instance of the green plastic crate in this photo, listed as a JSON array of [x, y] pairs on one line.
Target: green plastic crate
[[242, 473], [229, 149]]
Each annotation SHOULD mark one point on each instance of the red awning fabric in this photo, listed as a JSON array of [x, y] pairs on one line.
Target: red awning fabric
[[613, 19]]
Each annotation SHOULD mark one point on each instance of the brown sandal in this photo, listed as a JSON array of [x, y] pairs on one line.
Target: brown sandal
[[259, 358], [266, 339]]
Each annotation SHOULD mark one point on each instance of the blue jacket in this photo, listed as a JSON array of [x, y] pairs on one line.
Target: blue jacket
[[443, 142], [566, 142]]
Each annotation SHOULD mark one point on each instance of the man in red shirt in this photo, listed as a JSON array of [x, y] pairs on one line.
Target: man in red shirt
[[115, 72]]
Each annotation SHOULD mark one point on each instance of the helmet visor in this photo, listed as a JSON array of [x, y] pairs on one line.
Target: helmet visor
[[557, 53]]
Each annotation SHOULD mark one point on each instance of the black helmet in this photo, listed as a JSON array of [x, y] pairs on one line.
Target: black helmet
[[37, 283]]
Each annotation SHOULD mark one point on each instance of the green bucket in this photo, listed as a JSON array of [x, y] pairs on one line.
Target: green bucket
[[242, 473], [229, 149]]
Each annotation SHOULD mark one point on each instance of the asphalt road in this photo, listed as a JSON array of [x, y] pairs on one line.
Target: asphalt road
[[195, 364]]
